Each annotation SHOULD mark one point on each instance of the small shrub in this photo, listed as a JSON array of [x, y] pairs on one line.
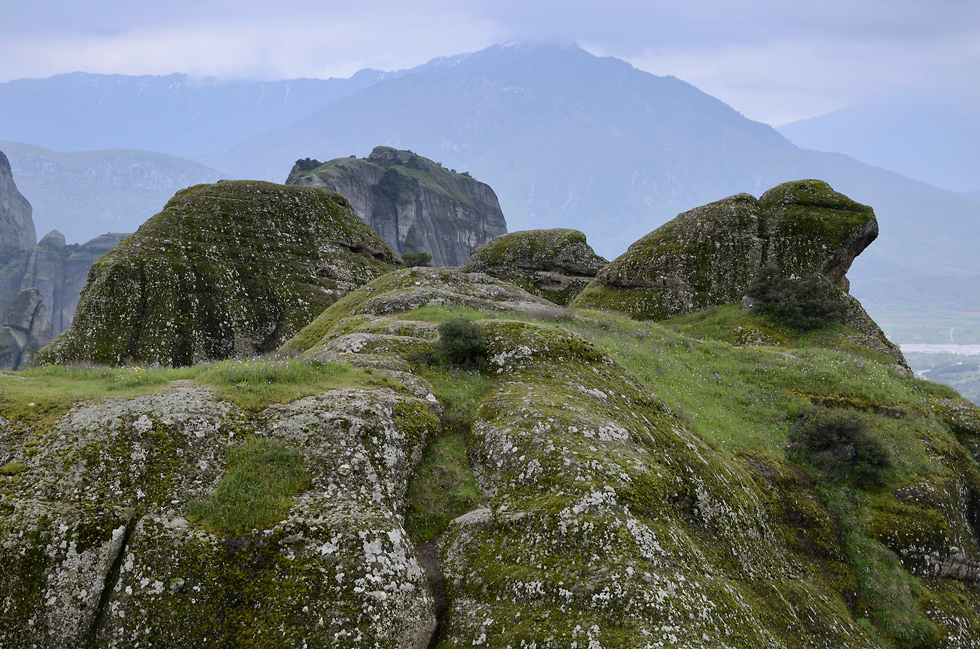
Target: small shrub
[[838, 444], [415, 258], [799, 303], [307, 164], [461, 343]]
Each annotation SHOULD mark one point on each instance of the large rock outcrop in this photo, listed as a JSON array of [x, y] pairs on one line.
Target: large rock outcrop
[[604, 520], [709, 255], [224, 269], [16, 224], [555, 264], [95, 549], [59, 272], [412, 202], [25, 329]]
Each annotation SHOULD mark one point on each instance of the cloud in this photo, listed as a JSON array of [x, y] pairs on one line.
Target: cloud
[[774, 60]]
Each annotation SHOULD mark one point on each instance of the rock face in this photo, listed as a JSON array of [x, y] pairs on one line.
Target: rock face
[[16, 224], [555, 264], [25, 329], [95, 549], [413, 202], [224, 269], [605, 520], [708, 256], [59, 272]]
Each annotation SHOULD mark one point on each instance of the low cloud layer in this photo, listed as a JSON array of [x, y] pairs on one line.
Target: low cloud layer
[[775, 61]]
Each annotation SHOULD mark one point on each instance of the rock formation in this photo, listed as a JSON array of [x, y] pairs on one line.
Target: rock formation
[[413, 202], [709, 255], [604, 521], [25, 329], [555, 264], [16, 224], [224, 269]]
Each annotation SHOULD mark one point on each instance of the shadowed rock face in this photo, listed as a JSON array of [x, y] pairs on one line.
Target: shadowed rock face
[[229, 268], [709, 255], [413, 202], [25, 329], [555, 264], [16, 224]]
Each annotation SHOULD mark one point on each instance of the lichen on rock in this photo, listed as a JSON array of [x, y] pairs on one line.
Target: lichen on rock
[[233, 268], [554, 264]]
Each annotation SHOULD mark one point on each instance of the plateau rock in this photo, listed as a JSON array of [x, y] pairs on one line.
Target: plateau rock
[[413, 202], [229, 268], [556, 264]]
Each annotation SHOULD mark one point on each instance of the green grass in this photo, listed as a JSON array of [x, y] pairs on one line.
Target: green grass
[[430, 313], [255, 491], [255, 383], [442, 486], [40, 396], [891, 595], [743, 398], [441, 489]]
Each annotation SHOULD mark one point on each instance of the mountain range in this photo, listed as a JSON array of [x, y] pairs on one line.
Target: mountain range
[[565, 139]]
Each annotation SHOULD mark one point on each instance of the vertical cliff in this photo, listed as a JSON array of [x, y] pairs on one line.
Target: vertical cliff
[[412, 202], [16, 224]]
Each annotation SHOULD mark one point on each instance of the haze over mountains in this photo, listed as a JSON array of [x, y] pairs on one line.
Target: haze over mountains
[[565, 138]]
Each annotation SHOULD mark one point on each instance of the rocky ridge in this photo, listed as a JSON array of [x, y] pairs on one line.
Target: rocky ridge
[[413, 203]]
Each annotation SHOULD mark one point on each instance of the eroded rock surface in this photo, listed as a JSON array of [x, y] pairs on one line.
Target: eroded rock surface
[[16, 222], [555, 264], [25, 329], [95, 546], [709, 255], [224, 269], [413, 202]]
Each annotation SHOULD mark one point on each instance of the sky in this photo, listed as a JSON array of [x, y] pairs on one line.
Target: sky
[[775, 61]]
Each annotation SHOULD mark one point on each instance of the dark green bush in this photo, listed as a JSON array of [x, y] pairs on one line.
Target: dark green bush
[[838, 444], [461, 343], [800, 303], [307, 164], [414, 258]]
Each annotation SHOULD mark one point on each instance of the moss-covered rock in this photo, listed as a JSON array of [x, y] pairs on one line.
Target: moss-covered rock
[[95, 545], [225, 269], [555, 264], [709, 255]]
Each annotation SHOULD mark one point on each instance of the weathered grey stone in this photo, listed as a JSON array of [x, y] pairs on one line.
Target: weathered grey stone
[[413, 203], [27, 329], [555, 264], [16, 224]]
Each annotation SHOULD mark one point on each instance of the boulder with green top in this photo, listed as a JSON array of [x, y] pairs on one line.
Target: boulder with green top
[[233, 268], [555, 264], [415, 204], [710, 255]]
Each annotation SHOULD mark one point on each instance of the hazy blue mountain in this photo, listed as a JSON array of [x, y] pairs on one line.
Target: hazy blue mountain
[[173, 114], [88, 193], [927, 141]]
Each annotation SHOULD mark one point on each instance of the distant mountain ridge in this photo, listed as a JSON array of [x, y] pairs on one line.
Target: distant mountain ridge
[[175, 114], [567, 139], [942, 149], [87, 193]]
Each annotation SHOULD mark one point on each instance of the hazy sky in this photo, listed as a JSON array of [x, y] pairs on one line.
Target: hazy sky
[[773, 60]]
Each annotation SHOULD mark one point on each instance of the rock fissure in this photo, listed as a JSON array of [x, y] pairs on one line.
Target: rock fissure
[[110, 583]]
